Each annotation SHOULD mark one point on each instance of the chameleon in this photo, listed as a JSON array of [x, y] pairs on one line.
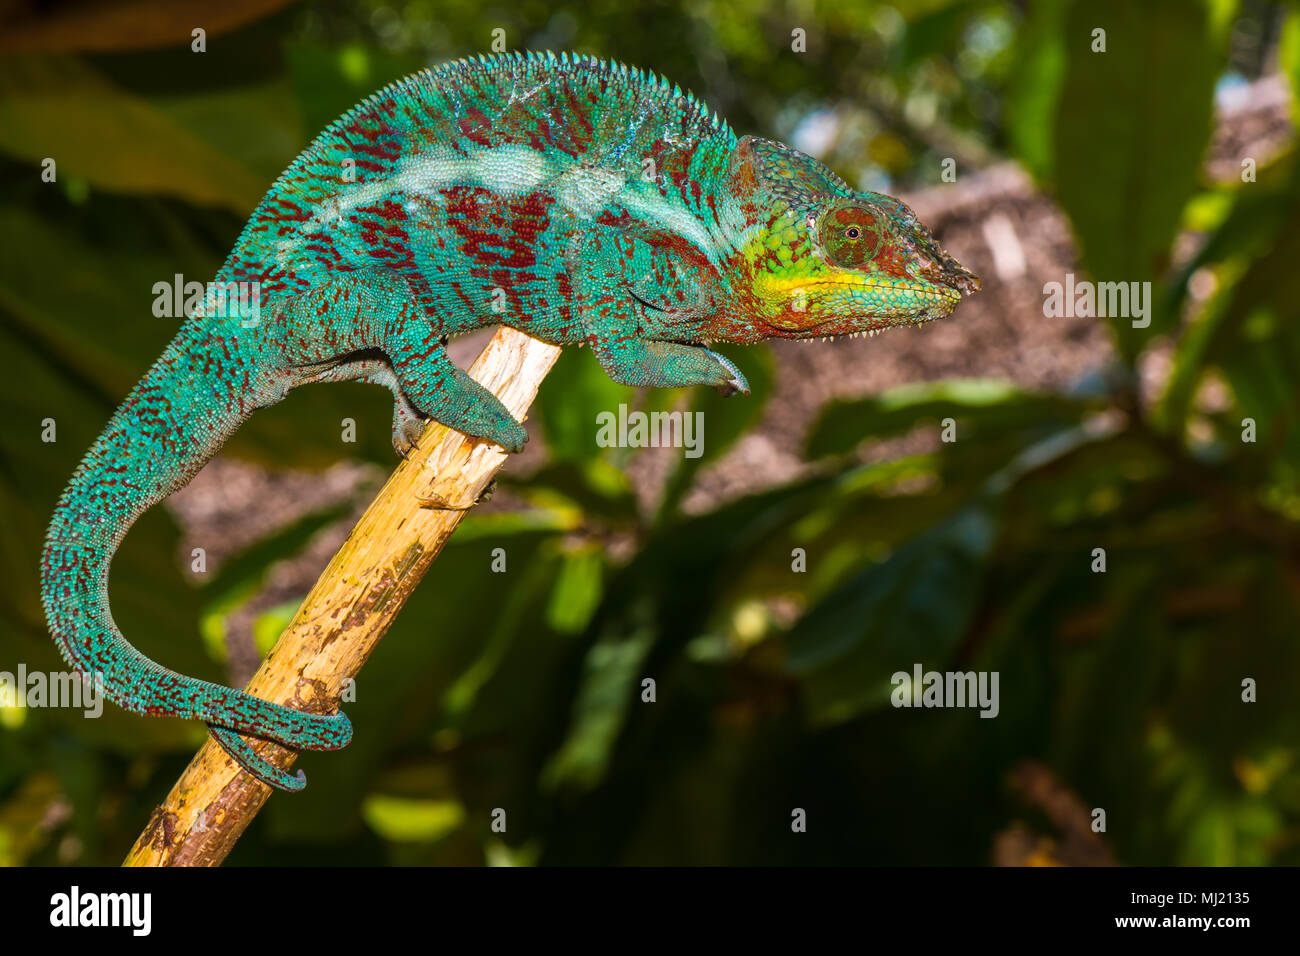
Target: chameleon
[[578, 200]]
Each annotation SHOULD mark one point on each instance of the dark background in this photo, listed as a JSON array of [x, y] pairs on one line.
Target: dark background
[[521, 690]]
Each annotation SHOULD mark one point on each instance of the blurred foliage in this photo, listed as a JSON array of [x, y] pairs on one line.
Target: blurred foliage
[[524, 690]]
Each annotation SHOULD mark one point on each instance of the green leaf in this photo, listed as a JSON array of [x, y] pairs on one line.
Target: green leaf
[[412, 820], [1131, 127], [1249, 252], [126, 25], [577, 590], [1288, 58], [987, 406], [61, 108], [611, 672], [1251, 334], [933, 33], [913, 607], [1033, 99]]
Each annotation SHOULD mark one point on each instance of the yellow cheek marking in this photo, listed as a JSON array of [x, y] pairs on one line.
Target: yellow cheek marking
[[771, 286]]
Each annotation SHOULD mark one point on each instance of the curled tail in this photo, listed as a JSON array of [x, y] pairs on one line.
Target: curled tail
[[150, 448]]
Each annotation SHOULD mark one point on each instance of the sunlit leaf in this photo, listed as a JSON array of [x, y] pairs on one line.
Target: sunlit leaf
[[911, 608]]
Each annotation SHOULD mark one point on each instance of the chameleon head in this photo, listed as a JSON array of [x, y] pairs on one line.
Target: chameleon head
[[815, 259]]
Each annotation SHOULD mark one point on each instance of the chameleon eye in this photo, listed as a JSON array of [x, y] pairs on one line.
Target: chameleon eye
[[850, 235]]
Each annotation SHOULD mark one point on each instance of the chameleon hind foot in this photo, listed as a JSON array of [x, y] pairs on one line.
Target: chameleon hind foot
[[457, 401], [438, 389], [408, 427], [418, 371]]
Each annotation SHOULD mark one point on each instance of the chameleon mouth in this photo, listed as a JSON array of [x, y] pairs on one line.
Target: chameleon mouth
[[955, 276], [889, 304]]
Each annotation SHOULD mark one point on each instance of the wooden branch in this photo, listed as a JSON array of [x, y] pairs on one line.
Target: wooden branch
[[351, 606]]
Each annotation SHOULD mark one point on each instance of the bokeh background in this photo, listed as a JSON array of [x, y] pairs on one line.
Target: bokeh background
[[1170, 158]]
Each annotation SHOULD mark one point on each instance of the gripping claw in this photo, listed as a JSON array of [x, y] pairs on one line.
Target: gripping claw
[[737, 382]]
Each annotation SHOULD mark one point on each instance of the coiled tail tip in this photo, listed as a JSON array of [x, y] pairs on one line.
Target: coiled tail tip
[[242, 752]]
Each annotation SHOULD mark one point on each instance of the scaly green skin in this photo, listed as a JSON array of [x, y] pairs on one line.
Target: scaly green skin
[[576, 200]]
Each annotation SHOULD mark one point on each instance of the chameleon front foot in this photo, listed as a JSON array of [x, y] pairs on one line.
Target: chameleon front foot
[[666, 364], [736, 381]]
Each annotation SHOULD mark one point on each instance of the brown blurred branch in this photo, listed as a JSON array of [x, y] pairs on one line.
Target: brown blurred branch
[[350, 608], [1074, 842]]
